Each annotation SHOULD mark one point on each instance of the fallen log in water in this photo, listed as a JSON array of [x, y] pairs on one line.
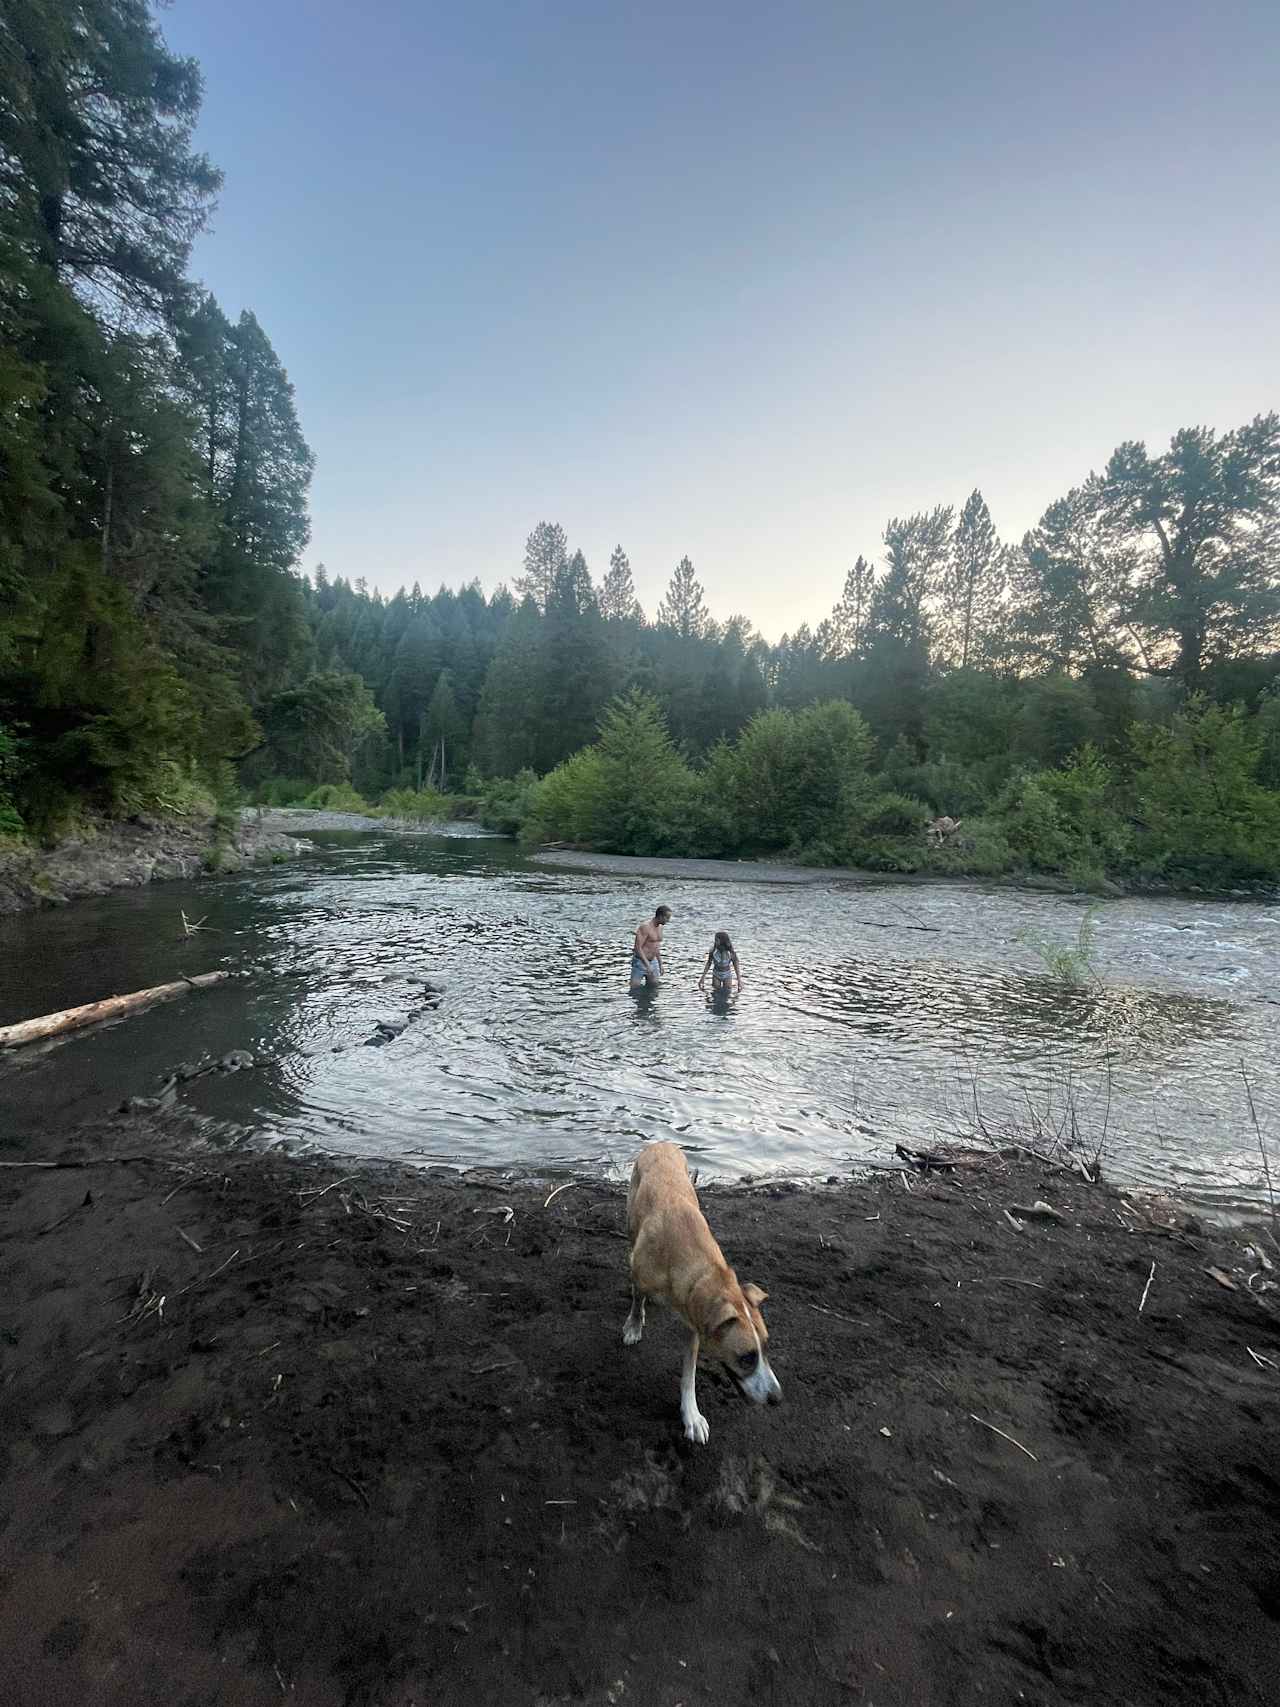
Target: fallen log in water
[[111, 1007]]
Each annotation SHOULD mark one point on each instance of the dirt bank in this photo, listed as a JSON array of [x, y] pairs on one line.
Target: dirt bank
[[270, 1430], [125, 856], [301, 820]]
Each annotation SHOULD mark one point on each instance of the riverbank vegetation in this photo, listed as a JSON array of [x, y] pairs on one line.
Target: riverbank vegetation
[[1099, 701]]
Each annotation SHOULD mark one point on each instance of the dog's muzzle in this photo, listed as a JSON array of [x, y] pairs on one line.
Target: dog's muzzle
[[762, 1386]]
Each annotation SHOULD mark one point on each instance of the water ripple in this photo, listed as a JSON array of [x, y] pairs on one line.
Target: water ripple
[[869, 1015]]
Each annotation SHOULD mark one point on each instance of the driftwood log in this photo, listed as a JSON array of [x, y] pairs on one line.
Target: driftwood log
[[112, 1007]]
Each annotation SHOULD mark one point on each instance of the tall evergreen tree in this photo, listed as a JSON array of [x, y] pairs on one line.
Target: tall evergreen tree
[[1070, 587], [507, 737], [684, 608], [971, 594], [618, 601], [545, 553], [96, 162], [443, 749], [573, 672], [891, 686], [846, 636], [416, 665]]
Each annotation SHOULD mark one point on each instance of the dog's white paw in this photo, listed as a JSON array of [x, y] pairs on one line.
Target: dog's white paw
[[632, 1331], [697, 1429]]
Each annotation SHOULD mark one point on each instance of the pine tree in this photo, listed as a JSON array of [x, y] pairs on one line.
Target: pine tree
[[972, 589], [443, 748], [1070, 586], [573, 666], [618, 601], [545, 554], [847, 634], [95, 151], [683, 609], [416, 666], [890, 687], [506, 734]]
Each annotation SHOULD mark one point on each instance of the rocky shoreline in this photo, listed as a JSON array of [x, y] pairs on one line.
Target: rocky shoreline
[[127, 855]]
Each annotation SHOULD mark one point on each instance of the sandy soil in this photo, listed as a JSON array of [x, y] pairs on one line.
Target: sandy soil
[[381, 1444]]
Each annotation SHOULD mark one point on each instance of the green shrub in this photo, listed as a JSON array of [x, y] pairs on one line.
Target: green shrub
[[10, 818], [980, 849], [504, 802], [891, 815], [281, 791], [422, 805], [797, 774], [1069, 962], [567, 806], [336, 797], [1203, 813]]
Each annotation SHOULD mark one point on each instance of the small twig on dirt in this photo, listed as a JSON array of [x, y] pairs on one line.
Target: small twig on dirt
[[504, 1209], [559, 1502], [1015, 1224], [1012, 1442], [1262, 1148], [86, 1202], [1263, 1362], [181, 1186], [1143, 1302], [200, 1279], [190, 1241], [560, 1188], [308, 1197], [1017, 1280], [839, 1315], [874, 1217], [488, 1368], [350, 1481]]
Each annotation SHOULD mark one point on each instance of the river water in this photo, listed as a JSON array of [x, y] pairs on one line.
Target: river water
[[872, 1012]]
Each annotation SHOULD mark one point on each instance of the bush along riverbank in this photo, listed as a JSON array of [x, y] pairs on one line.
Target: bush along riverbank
[[1186, 806], [101, 856], [369, 1434]]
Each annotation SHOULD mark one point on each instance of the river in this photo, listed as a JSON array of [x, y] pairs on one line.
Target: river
[[872, 1013]]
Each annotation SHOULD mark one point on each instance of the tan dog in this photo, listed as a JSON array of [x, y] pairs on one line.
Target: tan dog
[[675, 1260]]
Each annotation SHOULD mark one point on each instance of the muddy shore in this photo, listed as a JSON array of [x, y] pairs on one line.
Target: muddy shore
[[279, 1428], [125, 856]]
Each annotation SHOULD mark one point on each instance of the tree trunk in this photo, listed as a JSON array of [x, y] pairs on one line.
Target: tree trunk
[[113, 1007]]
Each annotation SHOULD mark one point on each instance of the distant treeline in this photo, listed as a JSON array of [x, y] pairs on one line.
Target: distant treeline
[[158, 647]]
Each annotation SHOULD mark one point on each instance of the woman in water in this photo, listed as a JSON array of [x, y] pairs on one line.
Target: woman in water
[[722, 964]]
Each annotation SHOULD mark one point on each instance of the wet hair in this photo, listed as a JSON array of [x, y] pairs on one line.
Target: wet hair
[[722, 941], [658, 913]]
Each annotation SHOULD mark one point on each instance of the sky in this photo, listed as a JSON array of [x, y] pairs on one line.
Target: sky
[[735, 280]]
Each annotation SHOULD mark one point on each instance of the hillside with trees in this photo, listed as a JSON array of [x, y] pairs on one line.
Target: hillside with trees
[[1099, 699]]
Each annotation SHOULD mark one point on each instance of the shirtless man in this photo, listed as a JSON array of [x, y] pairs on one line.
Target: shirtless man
[[646, 955]]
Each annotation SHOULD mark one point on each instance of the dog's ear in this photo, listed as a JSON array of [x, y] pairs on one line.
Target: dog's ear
[[722, 1313], [754, 1294]]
